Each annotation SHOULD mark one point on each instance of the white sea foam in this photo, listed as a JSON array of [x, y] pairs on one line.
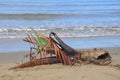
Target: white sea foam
[[61, 31]]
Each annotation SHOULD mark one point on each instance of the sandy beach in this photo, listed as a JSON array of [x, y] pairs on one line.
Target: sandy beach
[[81, 24], [58, 71]]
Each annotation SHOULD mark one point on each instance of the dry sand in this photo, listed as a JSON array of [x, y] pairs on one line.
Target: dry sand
[[58, 71]]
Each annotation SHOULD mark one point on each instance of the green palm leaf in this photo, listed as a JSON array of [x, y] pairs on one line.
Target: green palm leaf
[[41, 42]]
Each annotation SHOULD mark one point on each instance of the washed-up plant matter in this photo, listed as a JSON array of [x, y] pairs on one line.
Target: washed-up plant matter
[[51, 49]]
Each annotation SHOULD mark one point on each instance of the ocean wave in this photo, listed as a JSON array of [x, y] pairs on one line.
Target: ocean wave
[[61, 31], [33, 16]]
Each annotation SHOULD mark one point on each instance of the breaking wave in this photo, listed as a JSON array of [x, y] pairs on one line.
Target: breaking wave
[[62, 31]]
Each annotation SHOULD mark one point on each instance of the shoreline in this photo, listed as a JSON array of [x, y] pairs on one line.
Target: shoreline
[[17, 56]]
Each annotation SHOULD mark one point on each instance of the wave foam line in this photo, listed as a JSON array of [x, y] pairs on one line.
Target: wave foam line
[[62, 32]]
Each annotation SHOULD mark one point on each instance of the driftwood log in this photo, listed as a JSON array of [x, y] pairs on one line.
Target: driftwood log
[[56, 51]]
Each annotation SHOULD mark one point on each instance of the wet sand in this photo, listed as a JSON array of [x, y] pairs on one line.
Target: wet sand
[[58, 71]]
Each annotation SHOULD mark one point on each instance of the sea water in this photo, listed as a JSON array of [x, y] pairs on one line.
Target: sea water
[[70, 19], [15, 44]]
